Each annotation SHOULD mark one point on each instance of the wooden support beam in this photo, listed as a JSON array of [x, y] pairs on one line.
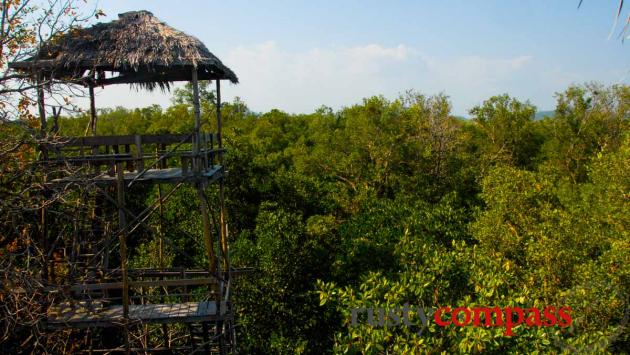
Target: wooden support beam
[[160, 228], [122, 224], [142, 221], [44, 156], [92, 109], [128, 153], [139, 154], [162, 150], [197, 109], [172, 272], [153, 77], [223, 245], [223, 228], [219, 122], [204, 149], [56, 114], [144, 283], [122, 140], [206, 338], [41, 104], [207, 234]]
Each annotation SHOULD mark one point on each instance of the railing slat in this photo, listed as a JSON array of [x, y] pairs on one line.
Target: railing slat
[[139, 157]]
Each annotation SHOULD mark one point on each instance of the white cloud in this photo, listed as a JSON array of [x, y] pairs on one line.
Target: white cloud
[[301, 81], [476, 70]]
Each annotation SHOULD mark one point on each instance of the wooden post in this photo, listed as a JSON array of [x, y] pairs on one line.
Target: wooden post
[[129, 162], [44, 156], [92, 109], [93, 118], [107, 237], [219, 122], [206, 338], [204, 156], [93, 121], [207, 235], [139, 154], [203, 206], [122, 225], [197, 109], [161, 264], [164, 162], [222, 226], [41, 104], [56, 114]]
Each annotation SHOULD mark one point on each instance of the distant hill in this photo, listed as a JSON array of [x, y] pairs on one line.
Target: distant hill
[[542, 114]]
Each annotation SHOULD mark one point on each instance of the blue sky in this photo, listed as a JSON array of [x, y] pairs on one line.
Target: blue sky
[[299, 55]]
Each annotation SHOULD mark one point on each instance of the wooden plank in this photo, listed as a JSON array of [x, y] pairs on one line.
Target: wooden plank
[[145, 283], [86, 315], [169, 175], [105, 158], [145, 272], [127, 158], [120, 140]]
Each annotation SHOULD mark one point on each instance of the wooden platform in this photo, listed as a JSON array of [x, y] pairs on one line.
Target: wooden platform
[[83, 315], [169, 175]]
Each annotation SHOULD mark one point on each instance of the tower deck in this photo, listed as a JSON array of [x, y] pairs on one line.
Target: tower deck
[[166, 158], [86, 315]]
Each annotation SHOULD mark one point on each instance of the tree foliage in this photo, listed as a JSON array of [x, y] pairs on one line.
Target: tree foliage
[[392, 202]]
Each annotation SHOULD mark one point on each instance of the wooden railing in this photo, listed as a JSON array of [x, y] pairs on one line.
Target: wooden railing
[[137, 153], [147, 286]]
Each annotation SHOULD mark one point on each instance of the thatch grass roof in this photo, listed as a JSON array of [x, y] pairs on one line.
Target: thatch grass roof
[[141, 48]]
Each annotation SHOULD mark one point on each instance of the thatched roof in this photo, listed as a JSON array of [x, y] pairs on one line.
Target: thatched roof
[[138, 46]]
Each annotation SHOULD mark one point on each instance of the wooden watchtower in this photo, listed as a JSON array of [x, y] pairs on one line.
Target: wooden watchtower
[[86, 275]]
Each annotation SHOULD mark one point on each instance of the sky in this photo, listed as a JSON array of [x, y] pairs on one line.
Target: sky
[[296, 56]]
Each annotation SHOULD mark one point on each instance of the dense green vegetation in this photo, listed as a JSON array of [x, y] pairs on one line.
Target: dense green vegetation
[[390, 202]]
